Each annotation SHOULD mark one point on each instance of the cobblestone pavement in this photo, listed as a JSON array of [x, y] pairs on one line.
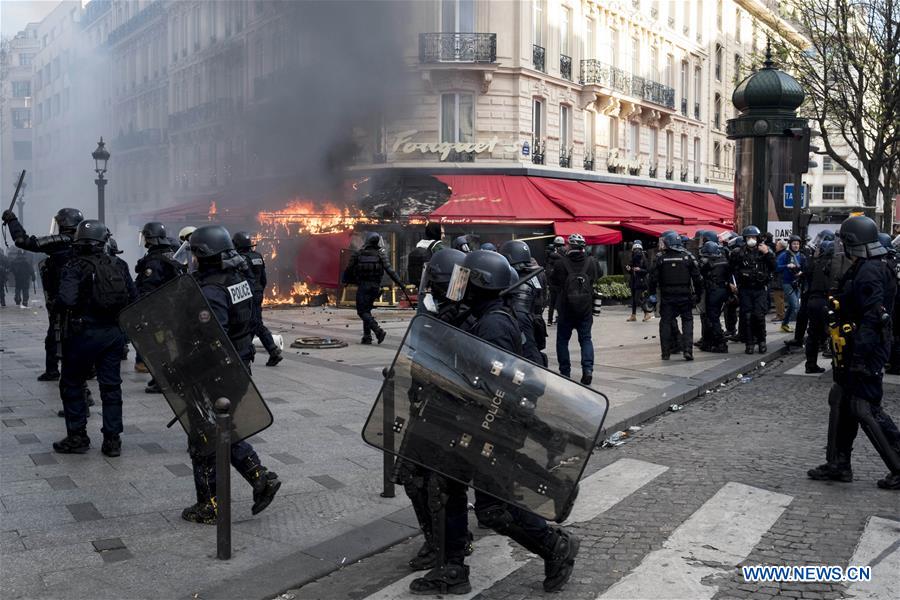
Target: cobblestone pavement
[[719, 484], [93, 527]]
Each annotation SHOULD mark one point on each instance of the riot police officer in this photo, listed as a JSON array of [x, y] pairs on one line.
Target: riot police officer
[[220, 276], [4, 275], [676, 274], [461, 243], [58, 248], [732, 313], [494, 323], [154, 269], [424, 250], [527, 301], [716, 273], [256, 276], [23, 274], [93, 288], [366, 268], [863, 324], [555, 252], [638, 269], [818, 291], [893, 260], [753, 266]]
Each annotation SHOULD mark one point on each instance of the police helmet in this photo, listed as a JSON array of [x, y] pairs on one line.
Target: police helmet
[[710, 249], [440, 267], [242, 241], [637, 245], [885, 241], [794, 238], [372, 240], [576, 240], [186, 232], [751, 231], [826, 234], [559, 241], [860, 237], [112, 247], [67, 219], [91, 232], [489, 247], [726, 236], [516, 252], [736, 242], [671, 239], [709, 235], [826, 248], [488, 270], [210, 240], [461, 243], [896, 243], [154, 234]]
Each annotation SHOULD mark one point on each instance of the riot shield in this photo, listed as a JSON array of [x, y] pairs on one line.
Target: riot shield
[[486, 418], [194, 362]]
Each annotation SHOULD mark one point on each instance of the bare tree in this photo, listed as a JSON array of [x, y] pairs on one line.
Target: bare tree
[[851, 74]]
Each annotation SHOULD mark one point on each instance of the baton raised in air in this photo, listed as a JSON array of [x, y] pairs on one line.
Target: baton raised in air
[[15, 197]]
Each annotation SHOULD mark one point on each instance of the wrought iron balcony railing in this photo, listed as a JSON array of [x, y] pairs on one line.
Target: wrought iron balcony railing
[[138, 139], [457, 47], [565, 66], [598, 73], [537, 151], [537, 57]]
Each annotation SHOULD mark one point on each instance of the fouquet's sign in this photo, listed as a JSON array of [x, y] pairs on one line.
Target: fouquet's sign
[[403, 145]]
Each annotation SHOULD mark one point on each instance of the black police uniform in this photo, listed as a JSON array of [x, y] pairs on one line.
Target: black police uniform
[[4, 275], [91, 339], [256, 277], [894, 369], [58, 249], [753, 271], [677, 275], [716, 273], [525, 301], [156, 268], [552, 263], [817, 292], [865, 291], [23, 274], [236, 318], [638, 280], [368, 266]]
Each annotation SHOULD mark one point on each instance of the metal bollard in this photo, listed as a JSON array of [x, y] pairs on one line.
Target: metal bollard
[[387, 428], [223, 478]]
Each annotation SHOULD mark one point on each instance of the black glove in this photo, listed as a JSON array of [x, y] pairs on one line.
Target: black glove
[[8, 216]]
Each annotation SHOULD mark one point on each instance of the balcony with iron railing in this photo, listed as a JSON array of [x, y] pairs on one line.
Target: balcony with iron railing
[[457, 48], [144, 17], [138, 139], [538, 53], [565, 66], [201, 114], [594, 72]]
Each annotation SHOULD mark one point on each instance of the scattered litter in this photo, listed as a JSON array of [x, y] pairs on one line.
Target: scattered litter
[[747, 379], [305, 353], [708, 392], [762, 363], [722, 384], [676, 407], [634, 428], [619, 437], [343, 560], [739, 375]]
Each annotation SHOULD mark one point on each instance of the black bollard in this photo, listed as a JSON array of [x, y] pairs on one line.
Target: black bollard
[[223, 478]]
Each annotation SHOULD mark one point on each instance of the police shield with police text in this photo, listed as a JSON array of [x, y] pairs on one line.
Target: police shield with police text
[[860, 329], [195, 336], [366, 269]]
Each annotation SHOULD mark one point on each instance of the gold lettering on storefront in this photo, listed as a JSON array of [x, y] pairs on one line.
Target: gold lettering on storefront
[[405, 146]]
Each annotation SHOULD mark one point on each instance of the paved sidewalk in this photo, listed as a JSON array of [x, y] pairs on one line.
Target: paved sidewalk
[[93, 527]]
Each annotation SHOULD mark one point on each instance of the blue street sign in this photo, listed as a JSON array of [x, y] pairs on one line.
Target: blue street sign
[[526, 149], [789, 195]]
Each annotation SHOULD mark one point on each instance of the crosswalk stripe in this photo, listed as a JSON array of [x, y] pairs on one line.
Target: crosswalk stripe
[[722, 532], [879, 548], [494, 553]]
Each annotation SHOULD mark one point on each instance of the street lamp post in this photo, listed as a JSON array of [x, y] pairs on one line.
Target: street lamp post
[[101, 156]]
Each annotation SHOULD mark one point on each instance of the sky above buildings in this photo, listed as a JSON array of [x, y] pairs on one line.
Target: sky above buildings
[[15, 14]]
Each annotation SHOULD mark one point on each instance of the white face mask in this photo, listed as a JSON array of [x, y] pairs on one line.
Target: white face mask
[[751, 243]]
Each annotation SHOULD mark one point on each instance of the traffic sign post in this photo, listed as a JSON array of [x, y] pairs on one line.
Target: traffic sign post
[[788, 195]]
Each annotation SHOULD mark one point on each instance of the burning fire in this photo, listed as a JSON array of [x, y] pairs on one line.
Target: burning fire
[[212, 211], [301, 217]]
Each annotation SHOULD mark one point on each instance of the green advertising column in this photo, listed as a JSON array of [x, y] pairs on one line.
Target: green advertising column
[[767, 103]]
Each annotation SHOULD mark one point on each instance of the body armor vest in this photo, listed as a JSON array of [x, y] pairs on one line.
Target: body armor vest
[[675, 272], [239, 329], [369, 267], [255, 266]]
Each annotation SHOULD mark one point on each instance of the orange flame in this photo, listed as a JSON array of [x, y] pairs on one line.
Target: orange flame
[[212, 210]]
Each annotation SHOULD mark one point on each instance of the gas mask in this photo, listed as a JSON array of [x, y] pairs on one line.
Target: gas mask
[[751, 242]]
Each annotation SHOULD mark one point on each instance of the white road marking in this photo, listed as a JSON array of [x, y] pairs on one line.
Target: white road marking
[[712, 541], [879, 547], [493, 557]]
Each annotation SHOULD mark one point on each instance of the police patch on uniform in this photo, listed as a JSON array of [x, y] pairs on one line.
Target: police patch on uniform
[[257, 261], [148, 272], [204, 316], [239, 292]]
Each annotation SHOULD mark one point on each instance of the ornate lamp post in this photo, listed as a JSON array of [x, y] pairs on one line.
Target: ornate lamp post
[[768, 133], [101, 156]]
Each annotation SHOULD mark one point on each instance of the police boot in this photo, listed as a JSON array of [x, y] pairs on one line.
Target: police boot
[[380, 334], [688, 355], [763, 348], [891, 482], [112, 445], [49, 376], [425, 558], [275, 357], [837, 469], [749, 349], [76, 442], [721, 348], [451, 578], [587, 377], [153, 388], [366, 341], [559, 559], [265, 485], [812, 368], [203, 513]]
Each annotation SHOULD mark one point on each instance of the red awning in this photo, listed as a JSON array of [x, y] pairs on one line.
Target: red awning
[[594, 235], [656, 229], [588, 201], [688, 206], [496, 199]]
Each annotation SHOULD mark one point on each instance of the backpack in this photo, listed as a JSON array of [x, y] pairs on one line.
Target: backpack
[[578, 290], [109, 291]]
